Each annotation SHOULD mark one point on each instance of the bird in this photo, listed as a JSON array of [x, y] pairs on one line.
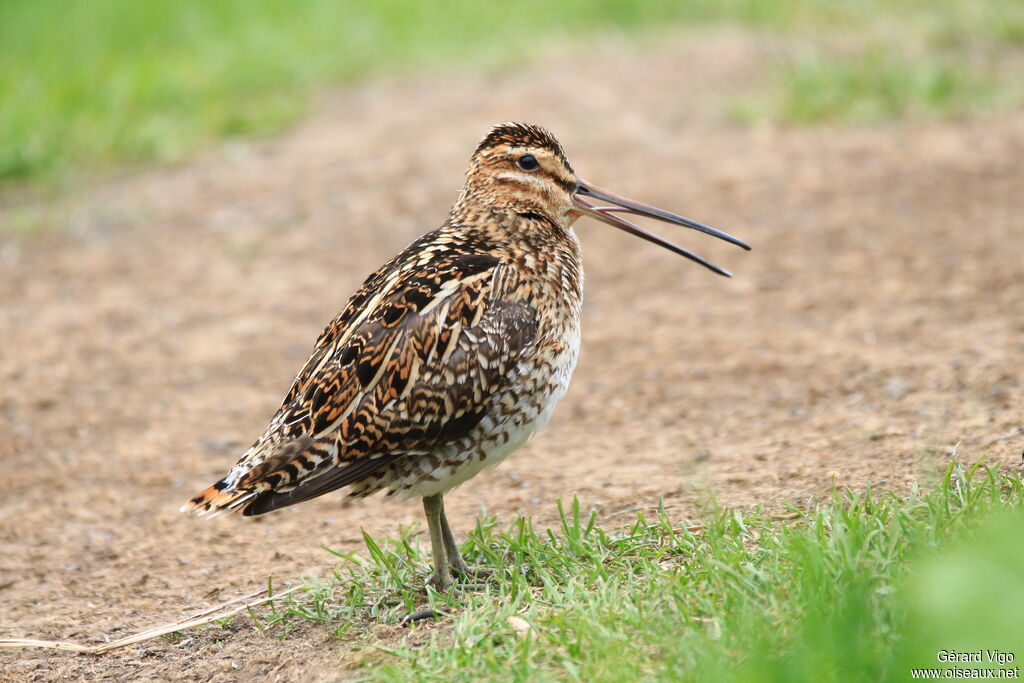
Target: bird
[[451, 355]]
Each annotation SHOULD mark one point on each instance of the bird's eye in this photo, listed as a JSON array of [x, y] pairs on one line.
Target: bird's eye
[[528, 163]]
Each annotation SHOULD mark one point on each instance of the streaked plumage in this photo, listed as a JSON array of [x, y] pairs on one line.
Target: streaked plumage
[[449, 356]]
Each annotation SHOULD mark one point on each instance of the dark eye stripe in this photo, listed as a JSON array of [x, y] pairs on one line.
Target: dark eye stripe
[[565, 185]]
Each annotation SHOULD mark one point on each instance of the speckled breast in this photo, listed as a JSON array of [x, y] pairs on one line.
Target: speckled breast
[[516, 414], [547, 280]]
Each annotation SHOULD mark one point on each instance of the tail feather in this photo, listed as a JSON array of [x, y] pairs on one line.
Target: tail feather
[[296, 472], [271, 471], [217, 499]]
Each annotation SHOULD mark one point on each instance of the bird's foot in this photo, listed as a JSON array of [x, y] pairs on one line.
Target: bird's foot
[[456, 588], [440, 581], [452, 589], [475, 572], [457, 564], [421, 615]]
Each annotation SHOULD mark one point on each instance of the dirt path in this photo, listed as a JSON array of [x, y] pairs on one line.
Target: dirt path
[[876, 329]]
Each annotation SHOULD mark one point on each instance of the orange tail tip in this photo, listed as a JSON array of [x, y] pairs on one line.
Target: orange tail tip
[[217, 499]]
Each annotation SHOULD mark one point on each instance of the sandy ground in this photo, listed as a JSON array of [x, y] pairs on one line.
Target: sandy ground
[[875, 332]]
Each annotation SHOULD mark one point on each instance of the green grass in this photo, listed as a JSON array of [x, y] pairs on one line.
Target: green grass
[[905, 59], [98, 83], [861, 588], [874, 85], [91, 86]]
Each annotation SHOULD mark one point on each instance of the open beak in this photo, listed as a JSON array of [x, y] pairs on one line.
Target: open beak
[[585, 193]]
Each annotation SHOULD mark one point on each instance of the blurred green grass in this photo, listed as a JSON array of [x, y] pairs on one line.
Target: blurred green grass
[[874, 85], [88, 86]]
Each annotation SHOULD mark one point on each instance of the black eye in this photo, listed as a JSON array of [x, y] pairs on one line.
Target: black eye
[[528, 163]]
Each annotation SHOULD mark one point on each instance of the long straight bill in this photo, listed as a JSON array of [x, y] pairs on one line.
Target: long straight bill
[[622, 205]]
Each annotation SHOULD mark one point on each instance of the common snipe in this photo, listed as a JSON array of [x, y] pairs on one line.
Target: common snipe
[[452, 354]]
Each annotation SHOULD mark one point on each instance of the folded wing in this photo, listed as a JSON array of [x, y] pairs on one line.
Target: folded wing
[[412, 364]]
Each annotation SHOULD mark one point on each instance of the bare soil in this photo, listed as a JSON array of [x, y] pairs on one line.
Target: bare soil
[[875, 333]]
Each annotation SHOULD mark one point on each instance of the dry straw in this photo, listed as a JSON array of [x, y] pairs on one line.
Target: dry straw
[[221, 611]]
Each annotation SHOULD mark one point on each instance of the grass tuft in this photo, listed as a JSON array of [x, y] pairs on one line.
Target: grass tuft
[[862, 587]]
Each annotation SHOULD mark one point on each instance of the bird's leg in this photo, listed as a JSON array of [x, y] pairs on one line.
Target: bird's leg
[[455, 560], [433, 507]]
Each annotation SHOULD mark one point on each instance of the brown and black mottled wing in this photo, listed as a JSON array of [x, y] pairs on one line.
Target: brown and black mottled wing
[[412, 367]]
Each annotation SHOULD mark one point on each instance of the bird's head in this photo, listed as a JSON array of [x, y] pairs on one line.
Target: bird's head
[[521, 168]]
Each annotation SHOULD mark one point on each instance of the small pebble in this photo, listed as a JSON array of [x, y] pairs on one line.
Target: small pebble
[[896, 388]]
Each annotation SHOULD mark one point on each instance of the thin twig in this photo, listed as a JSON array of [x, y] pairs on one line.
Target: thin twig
[[198, 619]]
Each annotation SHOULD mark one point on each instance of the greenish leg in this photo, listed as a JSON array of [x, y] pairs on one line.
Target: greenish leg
[[433, 507], [455, 560]]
